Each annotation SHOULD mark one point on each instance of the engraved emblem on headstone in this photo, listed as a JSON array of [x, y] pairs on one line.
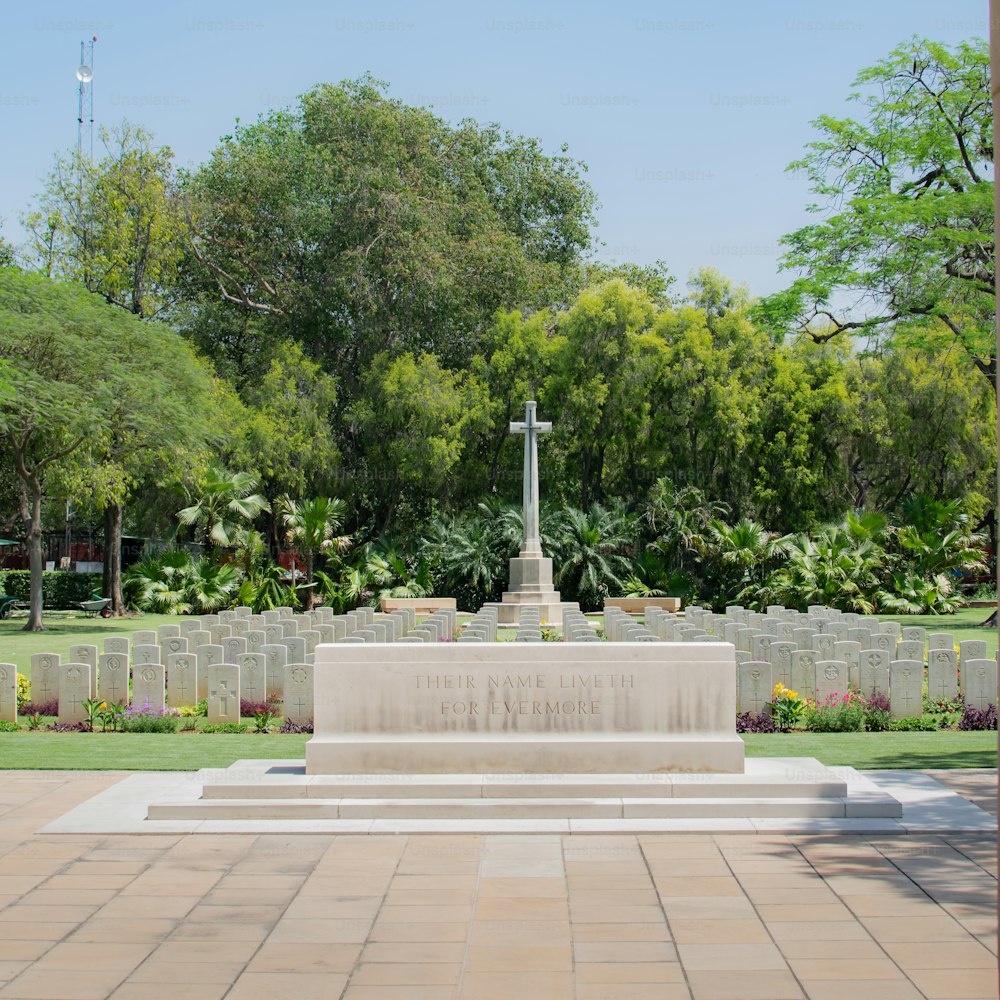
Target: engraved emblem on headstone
[[830, 673]]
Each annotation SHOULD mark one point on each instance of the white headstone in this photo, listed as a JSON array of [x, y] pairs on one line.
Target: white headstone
[[253, 677], [906, 688], [167, 632], [8, 692], [199, 637], [874, 672], [172, 645], [74, 690], [117, 644], [940, 640], [85, 653], [218, 633], [755, 687], [831, 678], [972, 649], [781, 663], [112, 678], [144, 653], [804, 673], [182, 679], [44, 677], [233, 646], [255, 639], [223, 693], [942, 674], [276, 657], [145, 637], [908, 649], [979, 678], [298, 702], [209, 655], [148, 686]]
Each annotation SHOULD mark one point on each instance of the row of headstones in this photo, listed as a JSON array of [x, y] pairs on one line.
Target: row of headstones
[[901, 681], [825, 652], [401, 626], [179, 682], [622, 627], [268, 645], [482, 627], [577, 628]]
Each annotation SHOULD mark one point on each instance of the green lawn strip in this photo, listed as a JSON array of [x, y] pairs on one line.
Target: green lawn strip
[[881, 751], [141, 751], [189, 751], [964, 624], [18, 646]]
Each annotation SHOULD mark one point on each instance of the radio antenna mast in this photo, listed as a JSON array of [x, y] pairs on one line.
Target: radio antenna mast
[[85, 97]]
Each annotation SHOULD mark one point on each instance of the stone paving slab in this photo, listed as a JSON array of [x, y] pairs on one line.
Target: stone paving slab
[[476, 917]]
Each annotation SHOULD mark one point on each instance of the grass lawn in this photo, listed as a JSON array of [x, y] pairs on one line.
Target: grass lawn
[[964, 624], [61, 632], [190, 751]]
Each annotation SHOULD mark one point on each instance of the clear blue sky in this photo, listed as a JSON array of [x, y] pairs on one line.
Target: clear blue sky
[[686, 113]]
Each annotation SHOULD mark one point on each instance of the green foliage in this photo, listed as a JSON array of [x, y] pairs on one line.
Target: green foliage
[[590, 553], [113, 225], [908, 213], [173, 582], [148, 720], [787, 708], [95, 711], [6, 726], [835, 714], [223, 727], [23, 691], [224, 504], [60, 590], [310, 528], [914, 724]]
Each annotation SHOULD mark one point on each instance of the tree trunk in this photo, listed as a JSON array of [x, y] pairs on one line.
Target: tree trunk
[[308, 604], [113, 558], [36, 560]]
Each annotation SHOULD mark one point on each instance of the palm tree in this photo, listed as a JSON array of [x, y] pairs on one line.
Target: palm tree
[[744, 552], [311, 526], [590, 551], [226, 505]]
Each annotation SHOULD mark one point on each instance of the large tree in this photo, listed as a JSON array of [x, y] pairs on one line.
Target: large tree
[[82, 372], [906, 195], [360, 225], [113, 224]]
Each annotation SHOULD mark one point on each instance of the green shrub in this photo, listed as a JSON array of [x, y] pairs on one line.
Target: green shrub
[[6, 726], [150, 720], [61, 590], [223, 727], [914, 724], [835, 714]]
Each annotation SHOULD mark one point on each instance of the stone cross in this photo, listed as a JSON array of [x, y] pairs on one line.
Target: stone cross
[[530, 428]]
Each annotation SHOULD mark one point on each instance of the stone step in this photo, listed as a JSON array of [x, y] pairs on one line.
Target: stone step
[[525, 808], [672, 786]]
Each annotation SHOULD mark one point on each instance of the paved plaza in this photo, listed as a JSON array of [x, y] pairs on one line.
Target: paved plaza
[[491, 917]]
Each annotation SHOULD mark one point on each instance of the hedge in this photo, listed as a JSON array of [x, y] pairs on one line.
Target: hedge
[[60, 590]]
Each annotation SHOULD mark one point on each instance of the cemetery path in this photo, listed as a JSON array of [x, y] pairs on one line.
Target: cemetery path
[[470, 917]]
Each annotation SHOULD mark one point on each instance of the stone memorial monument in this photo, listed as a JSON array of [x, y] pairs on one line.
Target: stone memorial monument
[[530, 571]]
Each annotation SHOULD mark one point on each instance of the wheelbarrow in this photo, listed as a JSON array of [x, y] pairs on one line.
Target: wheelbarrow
[[97, 606], [9, 604]]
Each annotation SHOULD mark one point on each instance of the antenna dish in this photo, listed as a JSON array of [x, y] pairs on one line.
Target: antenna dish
[[84, 74]]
